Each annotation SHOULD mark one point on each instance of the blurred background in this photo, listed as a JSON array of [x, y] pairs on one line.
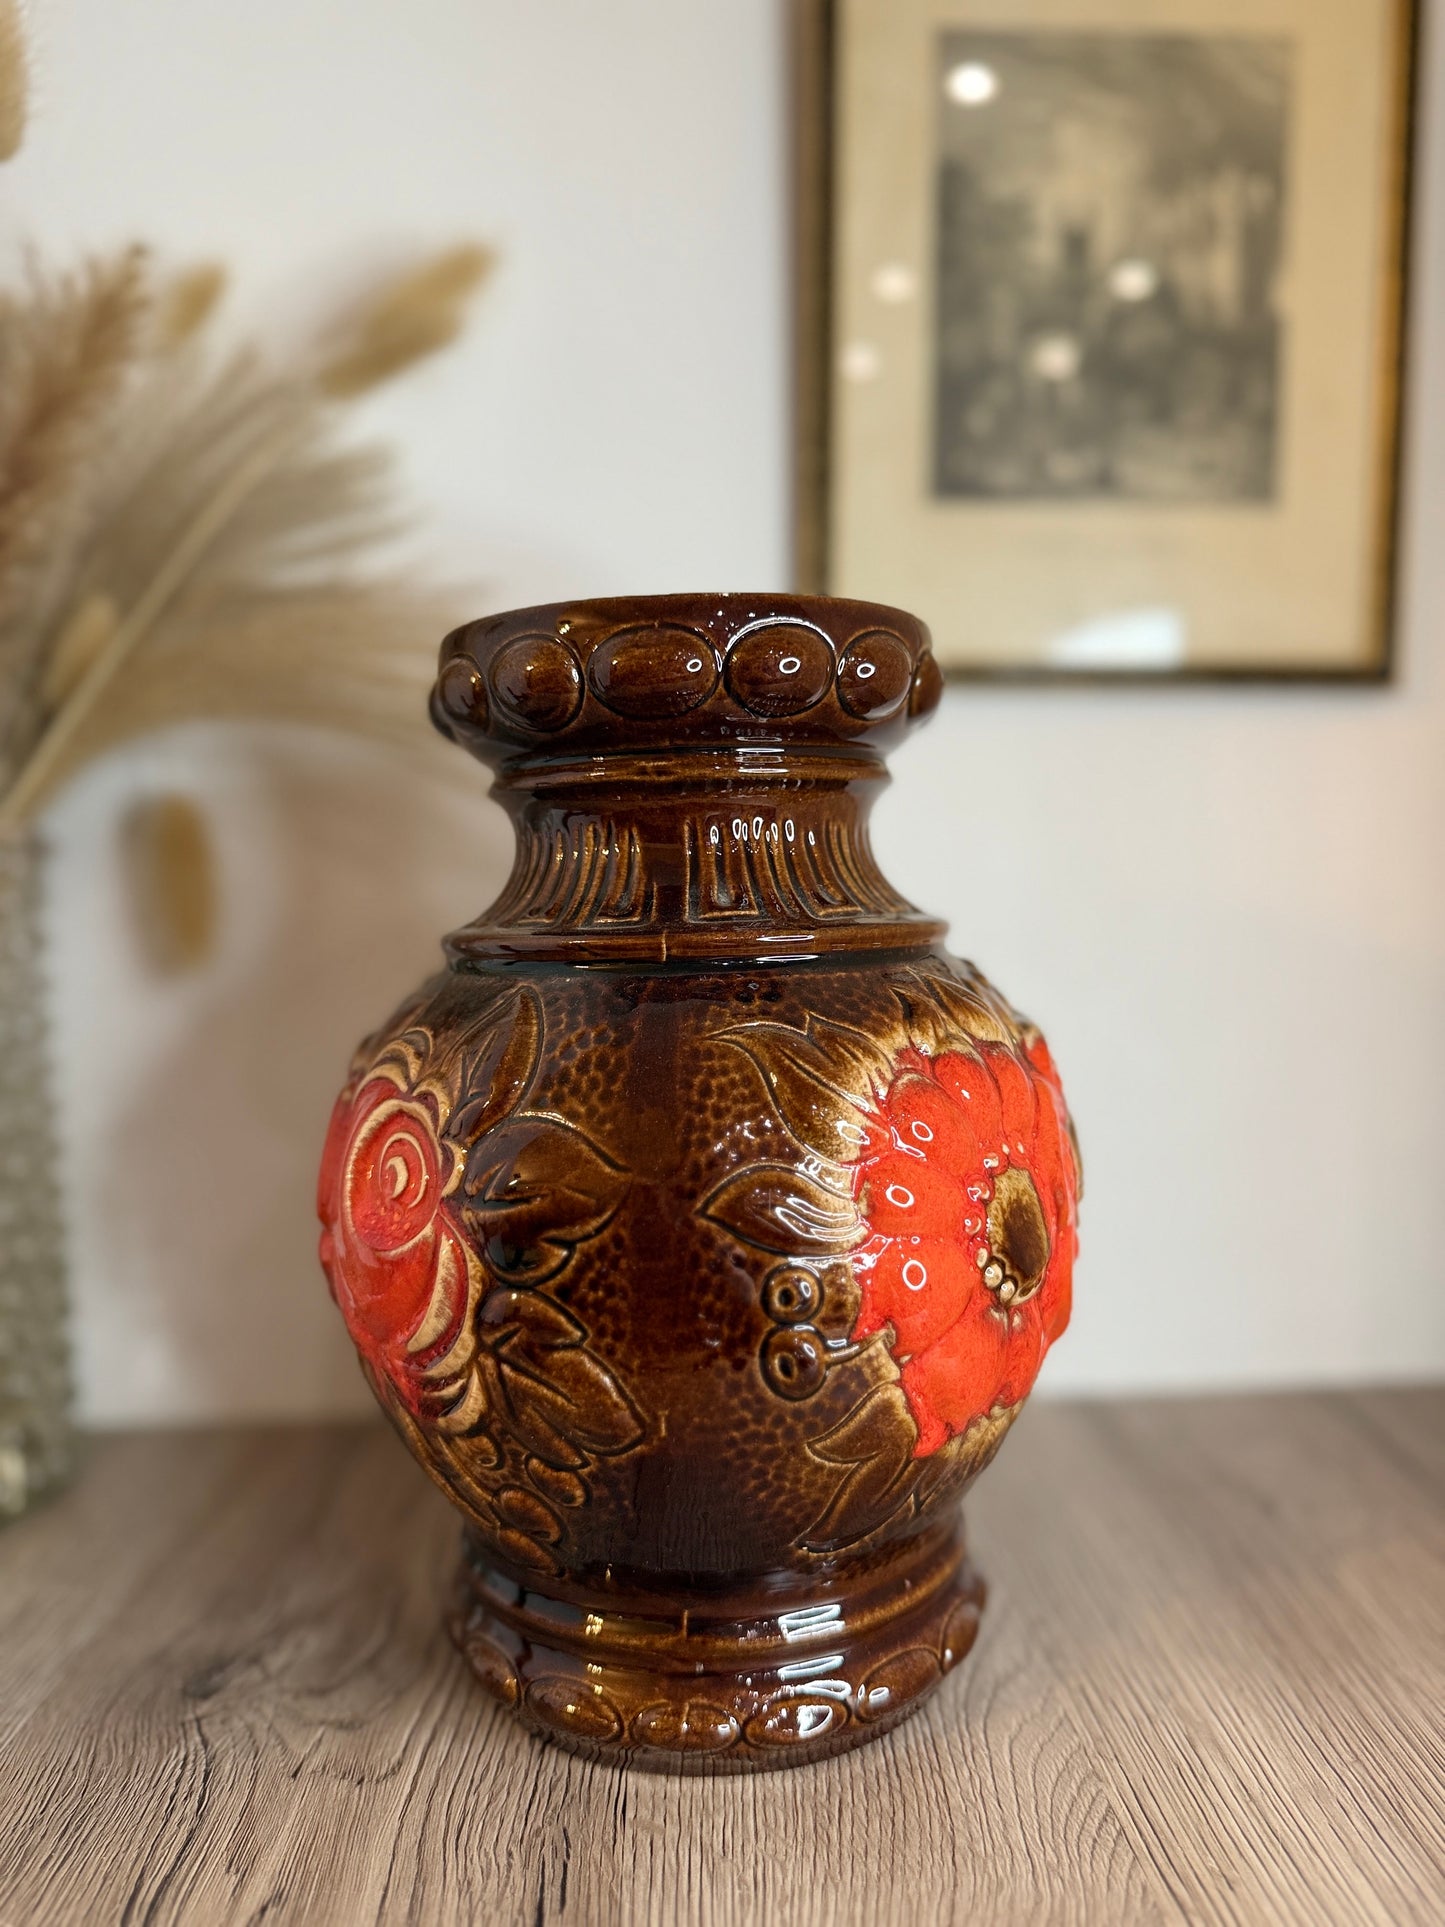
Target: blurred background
[[1223, 903]]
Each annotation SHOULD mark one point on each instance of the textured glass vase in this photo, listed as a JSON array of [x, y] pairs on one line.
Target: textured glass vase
[[36, 1436]]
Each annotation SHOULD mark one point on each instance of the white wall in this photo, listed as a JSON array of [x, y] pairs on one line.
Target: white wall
[[1225, 905]]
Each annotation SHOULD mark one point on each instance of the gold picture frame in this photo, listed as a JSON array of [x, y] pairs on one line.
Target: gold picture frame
[[1107, 457]]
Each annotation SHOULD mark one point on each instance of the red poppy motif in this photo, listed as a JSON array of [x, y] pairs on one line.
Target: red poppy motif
[[445, 1211], [395, 1260], [966, 1186]]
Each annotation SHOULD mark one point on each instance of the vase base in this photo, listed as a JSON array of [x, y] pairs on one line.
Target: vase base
[[722, 1681]]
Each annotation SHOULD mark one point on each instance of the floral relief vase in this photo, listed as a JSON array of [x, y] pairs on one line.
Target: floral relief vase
[[703, 1224]]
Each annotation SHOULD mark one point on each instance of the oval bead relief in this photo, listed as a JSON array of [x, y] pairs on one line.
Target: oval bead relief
[[780, 669], [653, 672], [536, 682]]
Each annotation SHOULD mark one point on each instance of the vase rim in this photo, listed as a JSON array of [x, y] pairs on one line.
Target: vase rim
[[685, 669], [758, 603]]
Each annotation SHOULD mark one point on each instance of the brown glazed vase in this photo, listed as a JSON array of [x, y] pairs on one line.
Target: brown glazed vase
[[702, 1224]]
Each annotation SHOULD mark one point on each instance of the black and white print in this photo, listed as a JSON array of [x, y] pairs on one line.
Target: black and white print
[[1111, 216]]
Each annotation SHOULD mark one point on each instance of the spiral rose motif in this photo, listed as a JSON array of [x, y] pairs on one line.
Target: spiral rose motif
[[966, 1186], [395, 1260]]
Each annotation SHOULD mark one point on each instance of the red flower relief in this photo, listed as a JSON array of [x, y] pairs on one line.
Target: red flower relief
[[966, 1186], [395, 1260]]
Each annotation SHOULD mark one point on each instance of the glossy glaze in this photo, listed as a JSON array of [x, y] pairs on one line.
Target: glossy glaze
[[702, 1224]]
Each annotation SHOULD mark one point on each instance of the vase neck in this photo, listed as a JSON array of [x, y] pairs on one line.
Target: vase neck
[[739, 853]]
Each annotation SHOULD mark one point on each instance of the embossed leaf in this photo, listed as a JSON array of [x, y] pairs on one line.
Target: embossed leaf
[[399, 1059], [395, 1039], [528, 1422], [497, 1073], [434, 1040], [942, 1009], [801, 1083], [462, 1405], [945, 1474], [535, 1188], [560, 1400], [473, 1495], [462, 1468], [781, 1209], [860, 1061], [873, 1446]]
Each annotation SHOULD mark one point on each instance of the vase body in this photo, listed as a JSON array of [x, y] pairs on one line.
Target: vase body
[[702, 1224]]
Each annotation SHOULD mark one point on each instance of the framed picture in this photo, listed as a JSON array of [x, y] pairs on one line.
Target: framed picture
[[1100, 327]]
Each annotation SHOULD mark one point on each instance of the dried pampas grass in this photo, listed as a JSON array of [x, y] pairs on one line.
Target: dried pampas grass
[[188, 302], [183, 537], [415, 316], [68, 350], [14, 79]]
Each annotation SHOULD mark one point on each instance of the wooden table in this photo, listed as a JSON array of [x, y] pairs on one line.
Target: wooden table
[[1210, 1687]]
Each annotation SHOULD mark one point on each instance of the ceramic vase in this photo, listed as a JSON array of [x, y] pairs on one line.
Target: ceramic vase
[[702, 1224]]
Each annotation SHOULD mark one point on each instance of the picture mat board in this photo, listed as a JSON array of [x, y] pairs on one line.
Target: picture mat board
[[1294, 585]]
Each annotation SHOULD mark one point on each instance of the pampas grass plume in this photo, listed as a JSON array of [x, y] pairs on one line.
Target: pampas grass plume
[[79, 643], [188, 303], [14, 80], [177, 537], [417, 314]]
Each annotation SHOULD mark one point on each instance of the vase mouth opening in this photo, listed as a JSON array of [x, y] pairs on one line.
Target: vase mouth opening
[[684, 671]]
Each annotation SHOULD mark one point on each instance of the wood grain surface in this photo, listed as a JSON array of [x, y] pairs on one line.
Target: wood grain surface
[[1209, 1688]]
